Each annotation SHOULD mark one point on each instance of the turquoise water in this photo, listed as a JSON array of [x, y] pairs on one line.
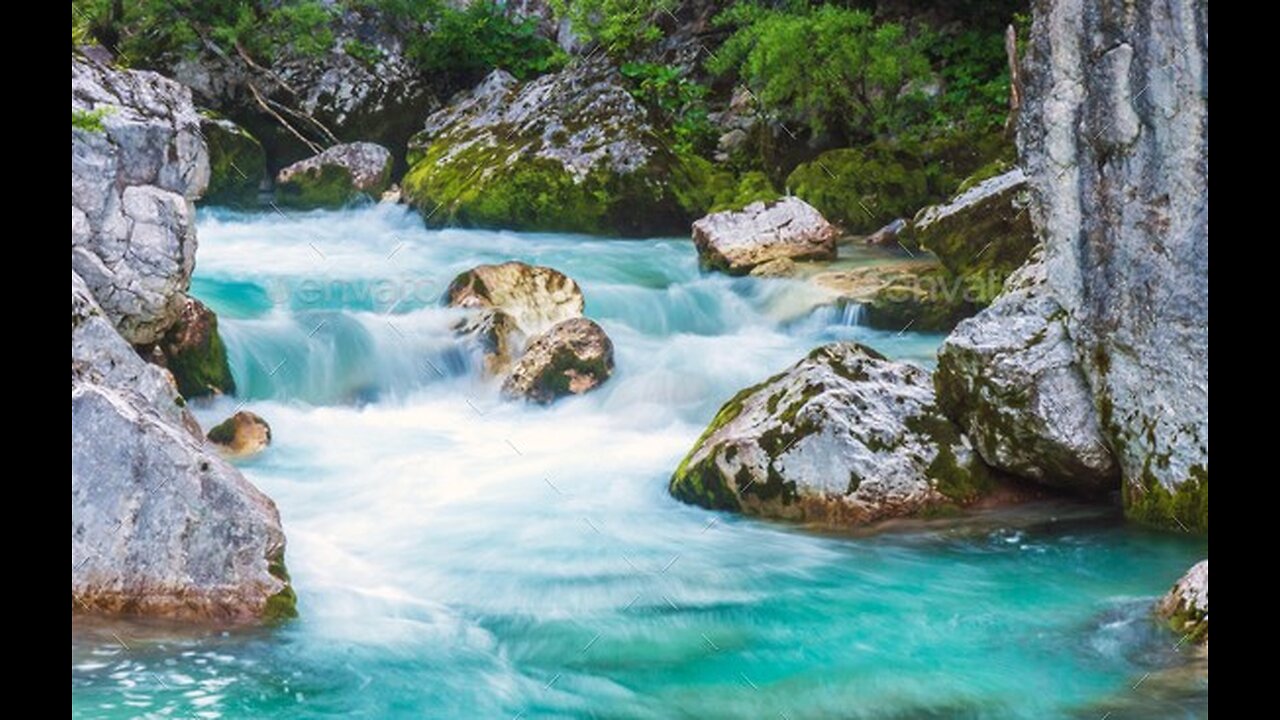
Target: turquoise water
[[460, 557]]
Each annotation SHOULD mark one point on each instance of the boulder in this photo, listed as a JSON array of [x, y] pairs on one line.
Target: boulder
[[573, 357], [737, 241], [160, 525], [568, 151], [193, 351], [777, 268], [100, 355], [1009, 377], [535, 297], [337, 176], [137, 163], [887, 235], [843, 437], [237, 163], [985, 230], [1114, 137], [1186, 606], [496, 335], [241, 435]]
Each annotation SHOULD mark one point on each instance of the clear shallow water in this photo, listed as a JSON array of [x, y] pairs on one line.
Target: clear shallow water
[[456, 556]]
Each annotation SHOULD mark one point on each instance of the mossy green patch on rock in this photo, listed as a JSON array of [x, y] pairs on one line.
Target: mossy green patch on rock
[[325, 186], [194, 353], [237, 164], [284, 604], [1186, 508]]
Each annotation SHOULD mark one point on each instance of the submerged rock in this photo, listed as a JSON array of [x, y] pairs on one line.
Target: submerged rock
[[535, 297], [237, 162], [983, 230], [737, 241], [242, 434], [160, 525], [776, 268], [1114, 136], [1009, 377], [193, 351], [1186, 606], [916, 295], [137, 163], [843, 437], [569, 151], [573, 357], [337, 176], [887, 235]]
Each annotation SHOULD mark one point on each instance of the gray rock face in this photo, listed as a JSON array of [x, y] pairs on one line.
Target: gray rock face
[[137, 162], [1186, 606], [735, 241], [1114, 135], [337, 175], [1009, 377], [843, 437], [160, 525], [101, 356], [573, 357]]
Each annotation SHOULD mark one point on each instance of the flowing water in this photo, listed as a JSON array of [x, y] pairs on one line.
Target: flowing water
[[456, 556]]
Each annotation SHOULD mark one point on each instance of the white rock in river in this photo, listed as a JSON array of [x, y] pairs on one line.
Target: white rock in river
[[1009, 377], [735, 241], [573, 357], [1186, 606], [843, 437], [137, 163]]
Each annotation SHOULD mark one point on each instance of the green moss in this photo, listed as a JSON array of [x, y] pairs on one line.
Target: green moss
[[324, 186], [999, 166], [930, 299], [962, 484], [1190, 623], [564, 365], [201, 368], [237, 164], [484, 186], [90, 120], [1148, 501], [284, 604], [224, 432]]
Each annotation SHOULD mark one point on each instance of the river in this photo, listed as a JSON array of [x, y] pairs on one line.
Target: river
[[456, 556]]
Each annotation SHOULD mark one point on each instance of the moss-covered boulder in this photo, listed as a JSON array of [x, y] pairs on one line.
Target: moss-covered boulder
[[241, 435], [193, 352], [843, 437], [1009, 377], [573, 357], [866, 188], [336, 177], [736, 241], [1186, 606], [919, 295], [569, 151], [237, 164], [985, 230]]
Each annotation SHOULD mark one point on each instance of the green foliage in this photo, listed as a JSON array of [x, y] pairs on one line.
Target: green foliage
[[865, 188], [363, 51], [830, 68], [622, 27], [465, 43], [90, 120], [677, 103], [975, 80], [702, 187]]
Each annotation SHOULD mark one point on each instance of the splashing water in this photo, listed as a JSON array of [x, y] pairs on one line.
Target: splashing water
[[458, 556]]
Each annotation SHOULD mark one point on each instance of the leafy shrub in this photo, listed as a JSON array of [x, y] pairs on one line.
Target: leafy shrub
[[677, 102], [622, 27]]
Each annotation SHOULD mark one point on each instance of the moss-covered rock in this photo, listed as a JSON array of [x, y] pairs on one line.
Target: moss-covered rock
[[237, 164], [844, 437], [193, 352], [570, 151], [241, 435], [1186, 606], [573, 357], [866, 188], [336, 177], [984, 231]]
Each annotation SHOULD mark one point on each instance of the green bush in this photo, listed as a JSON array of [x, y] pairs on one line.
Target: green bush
[[677, 103], [828, 68], [468, 42], [622, 27]]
